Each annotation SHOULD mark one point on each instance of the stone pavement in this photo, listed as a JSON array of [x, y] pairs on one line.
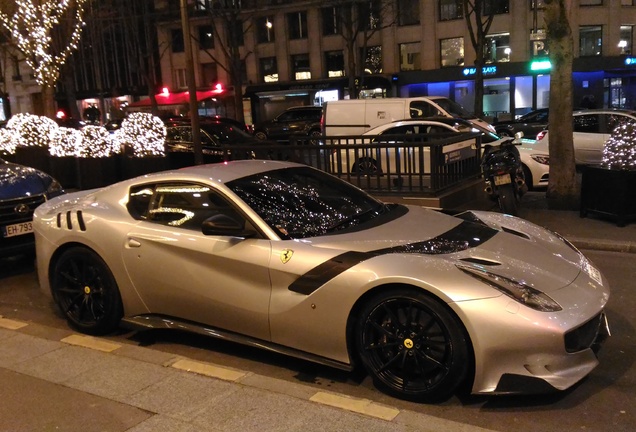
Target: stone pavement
[[55, 380]]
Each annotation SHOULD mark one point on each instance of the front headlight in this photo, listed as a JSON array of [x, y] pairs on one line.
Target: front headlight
[[54, 189], [542, 159], [518, 291]]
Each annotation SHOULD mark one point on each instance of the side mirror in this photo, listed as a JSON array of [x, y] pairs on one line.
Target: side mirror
[[224, 225]]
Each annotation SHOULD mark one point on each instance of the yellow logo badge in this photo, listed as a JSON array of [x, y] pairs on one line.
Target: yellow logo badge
[[286, 255]]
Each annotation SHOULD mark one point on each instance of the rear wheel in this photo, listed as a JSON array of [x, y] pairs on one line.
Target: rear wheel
[[86, 292], [412, 346], [365, 166], [260, 135], [508, 199]]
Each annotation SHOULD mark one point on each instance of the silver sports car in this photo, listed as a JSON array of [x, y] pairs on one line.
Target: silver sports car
[[288, 258]]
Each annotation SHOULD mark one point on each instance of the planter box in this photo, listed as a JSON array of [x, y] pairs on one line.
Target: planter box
[[34, 157], [134, 167], [64, 170], [608, 192], [97, 172]]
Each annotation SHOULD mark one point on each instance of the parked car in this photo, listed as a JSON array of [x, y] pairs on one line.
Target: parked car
[[282, 256], [592, 128], [215, 135], [22, 189], [534, 156], [302, 121], [530, 124]]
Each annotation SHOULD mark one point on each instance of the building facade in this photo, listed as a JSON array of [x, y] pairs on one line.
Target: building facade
[[294, 54]]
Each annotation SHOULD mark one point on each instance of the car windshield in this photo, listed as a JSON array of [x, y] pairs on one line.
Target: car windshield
[[453, 108], [226, 134], [303, 202]]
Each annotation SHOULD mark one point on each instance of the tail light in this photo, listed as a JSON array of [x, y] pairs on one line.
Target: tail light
[[541, 135]]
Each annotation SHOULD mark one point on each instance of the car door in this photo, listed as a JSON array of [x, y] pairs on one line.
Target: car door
[[588, 138], [219, 281]]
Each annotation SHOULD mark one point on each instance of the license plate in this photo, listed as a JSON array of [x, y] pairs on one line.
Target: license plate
[[17, 229], [502, 179]]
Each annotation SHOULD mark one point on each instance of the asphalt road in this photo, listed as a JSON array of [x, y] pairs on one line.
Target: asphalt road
[[601, 402]]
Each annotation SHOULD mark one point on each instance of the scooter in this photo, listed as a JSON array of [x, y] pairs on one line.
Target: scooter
[[503, 172]]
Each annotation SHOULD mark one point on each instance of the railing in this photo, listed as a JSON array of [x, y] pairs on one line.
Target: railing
[[406, 165]]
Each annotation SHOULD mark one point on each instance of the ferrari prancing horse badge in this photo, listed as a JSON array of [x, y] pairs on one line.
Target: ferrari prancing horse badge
[[286, 255]]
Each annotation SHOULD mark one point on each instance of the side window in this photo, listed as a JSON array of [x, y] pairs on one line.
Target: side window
[[615, 120], [179, 134], [587, 123], [287, 116], [422, 109], [183, 205]]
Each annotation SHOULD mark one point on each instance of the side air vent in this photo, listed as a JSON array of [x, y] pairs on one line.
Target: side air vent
[[69, 223], [59, 220], [480, 261], [80, 221], [517, 233]]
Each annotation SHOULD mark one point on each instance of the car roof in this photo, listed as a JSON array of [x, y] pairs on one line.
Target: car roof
[[627, 112], [304, 107], [447, 122]]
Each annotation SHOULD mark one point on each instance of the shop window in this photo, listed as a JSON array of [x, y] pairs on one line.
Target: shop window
[[297, 24], [331, 20], [300, 67], [590, 40], [625, 42], [176, 41], [373, 60], [265, 29], [497, 48], [206, 37], [334, 60], [410, 56], [450, 9], [269, 69], [452, 51], [408, 12]]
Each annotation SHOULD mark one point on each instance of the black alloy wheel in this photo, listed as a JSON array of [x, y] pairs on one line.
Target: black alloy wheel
[[412, 346], [86, 292], [365, 166]]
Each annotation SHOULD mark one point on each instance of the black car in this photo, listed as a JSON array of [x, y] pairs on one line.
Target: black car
[[22, 189], [530, 124], [215, 139], [302, 121]]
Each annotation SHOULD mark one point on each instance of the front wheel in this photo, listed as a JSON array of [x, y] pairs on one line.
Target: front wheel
[[508, 200], [412, 346], [365, 166], [260, 135], [86, 292]]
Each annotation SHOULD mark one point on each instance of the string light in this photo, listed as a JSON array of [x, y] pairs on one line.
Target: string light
[[144, 134], [30, 130], [65, 142], [7, 143], [31, 27], [619, 152], [97, 143]]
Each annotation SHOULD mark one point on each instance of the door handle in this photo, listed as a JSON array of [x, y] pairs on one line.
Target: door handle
[[134, 243]]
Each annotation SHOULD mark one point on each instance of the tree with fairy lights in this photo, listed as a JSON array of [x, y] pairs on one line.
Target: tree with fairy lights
[[46, 32], [619, 151]]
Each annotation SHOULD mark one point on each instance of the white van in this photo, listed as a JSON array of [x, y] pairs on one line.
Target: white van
[[356, 116]]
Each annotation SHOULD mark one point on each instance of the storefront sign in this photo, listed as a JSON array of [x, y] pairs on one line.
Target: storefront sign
[[486, 70], [630, 61], [540, 65]]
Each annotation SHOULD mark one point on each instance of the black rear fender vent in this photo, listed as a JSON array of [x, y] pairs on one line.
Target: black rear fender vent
[[65, 220]]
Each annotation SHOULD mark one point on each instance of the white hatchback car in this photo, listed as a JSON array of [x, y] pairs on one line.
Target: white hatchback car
[[534, 155], [592, 129]]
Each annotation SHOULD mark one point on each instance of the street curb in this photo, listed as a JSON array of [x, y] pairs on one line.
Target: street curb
[[603, 245]]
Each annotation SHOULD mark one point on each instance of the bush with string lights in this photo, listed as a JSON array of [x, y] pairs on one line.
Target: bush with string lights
[[619, 151]]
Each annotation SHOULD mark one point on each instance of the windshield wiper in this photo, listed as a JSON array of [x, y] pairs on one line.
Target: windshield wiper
[[379, 210]]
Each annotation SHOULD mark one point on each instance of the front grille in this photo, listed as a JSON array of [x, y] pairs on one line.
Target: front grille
[[8, 214], [583, 337]]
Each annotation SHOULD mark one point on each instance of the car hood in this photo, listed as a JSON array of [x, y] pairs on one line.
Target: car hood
[[17, 181], [509, 246]]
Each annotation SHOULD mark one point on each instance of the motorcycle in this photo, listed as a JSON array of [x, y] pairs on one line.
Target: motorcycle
[[503, 172]]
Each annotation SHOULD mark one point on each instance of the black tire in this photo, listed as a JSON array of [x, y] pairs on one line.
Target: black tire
[[507, 199], [86, 292], [260, 135], [412, 346], [315, 137], [504, 133], [365, 166], [527, 177]]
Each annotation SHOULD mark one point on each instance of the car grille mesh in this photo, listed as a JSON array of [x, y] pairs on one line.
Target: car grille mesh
[[9, 215], [584, 336]]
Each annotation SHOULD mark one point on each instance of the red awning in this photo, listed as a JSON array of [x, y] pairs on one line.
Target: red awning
[[182, 98]]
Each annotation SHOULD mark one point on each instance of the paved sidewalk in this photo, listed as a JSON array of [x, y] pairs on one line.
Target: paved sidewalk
[[54, 380]]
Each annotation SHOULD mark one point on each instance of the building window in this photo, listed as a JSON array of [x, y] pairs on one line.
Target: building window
[[176, 41], [265, 29], [372, 60], [300, 67], [452, 51], [369, 14], [450, 10], [625, 43], [539, 4], [297, 23], [495, 7], [180, 79], [209, 74], [410, 56], [331, 21], [269, 69], [206, 37], [334, 60], [497, 48], [627, 2], [408, 12], [590, 40], [591, 3]]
